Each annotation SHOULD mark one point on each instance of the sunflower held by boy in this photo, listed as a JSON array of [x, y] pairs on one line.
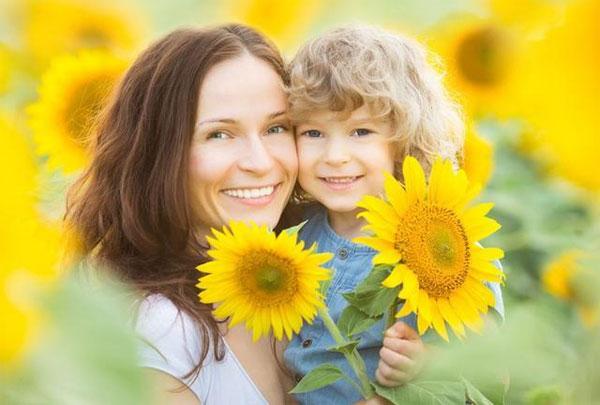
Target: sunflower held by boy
[[431, 236]]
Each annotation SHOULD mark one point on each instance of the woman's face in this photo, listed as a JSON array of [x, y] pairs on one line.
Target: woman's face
[[243, 159]]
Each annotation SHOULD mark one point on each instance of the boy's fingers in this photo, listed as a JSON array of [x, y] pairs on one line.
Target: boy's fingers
[[402, 330], [389, 377], [408, 348], [395, 360]]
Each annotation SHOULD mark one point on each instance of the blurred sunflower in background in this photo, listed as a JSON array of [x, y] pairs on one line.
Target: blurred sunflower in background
[[5, 68], [569, 280], [560, 91], [479, 54], [483, 52], [30, 246], [284, 22], [72, 93], [54, 27], [477, 159]]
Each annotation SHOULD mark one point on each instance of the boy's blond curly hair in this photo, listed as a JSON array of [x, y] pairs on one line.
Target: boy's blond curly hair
[[353, 66]]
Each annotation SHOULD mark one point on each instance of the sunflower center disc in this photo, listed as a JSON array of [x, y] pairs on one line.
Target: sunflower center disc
[[482, 56], [269, 278], [435, 247]]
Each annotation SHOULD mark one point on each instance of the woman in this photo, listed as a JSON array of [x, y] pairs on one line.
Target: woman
[[196, 135]]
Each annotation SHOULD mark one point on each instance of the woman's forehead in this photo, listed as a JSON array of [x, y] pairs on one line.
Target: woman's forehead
[[241, 86]]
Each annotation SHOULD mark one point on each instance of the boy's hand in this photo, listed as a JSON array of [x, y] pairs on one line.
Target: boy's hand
[[401, 357]]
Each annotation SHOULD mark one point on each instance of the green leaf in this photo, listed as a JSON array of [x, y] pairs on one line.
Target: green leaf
[[370, 296], [373, 281], [424, 393], [474, 395], [354, 321], [374, 303], [345, 348], [319, 377], [295, 229]]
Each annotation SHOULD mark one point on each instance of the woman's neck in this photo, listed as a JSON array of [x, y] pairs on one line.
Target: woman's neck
[[346, 224]]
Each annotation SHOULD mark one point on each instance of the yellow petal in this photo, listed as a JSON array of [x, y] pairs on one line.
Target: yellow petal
[[438, 322], [395, 194], [414, 180], [396, 277], [387, 257]]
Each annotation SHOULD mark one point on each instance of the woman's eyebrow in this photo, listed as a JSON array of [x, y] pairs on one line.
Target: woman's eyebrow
[[218, 120], [277, 114]]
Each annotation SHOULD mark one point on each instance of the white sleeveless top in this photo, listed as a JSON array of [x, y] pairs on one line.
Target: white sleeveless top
[[169, 342]]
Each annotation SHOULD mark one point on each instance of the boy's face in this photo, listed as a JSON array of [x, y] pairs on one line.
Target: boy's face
[[341, 160]]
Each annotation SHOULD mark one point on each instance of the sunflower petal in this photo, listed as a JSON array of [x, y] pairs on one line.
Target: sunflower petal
[[414, 180]]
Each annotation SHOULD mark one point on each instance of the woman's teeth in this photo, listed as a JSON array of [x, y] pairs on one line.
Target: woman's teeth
[[250, 192]]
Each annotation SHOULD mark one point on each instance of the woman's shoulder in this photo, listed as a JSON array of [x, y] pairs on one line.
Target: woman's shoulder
[[169, 338], [171, 342], [156, 314]]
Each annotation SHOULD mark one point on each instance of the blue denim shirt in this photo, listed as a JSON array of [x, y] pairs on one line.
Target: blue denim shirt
[[308, 349]]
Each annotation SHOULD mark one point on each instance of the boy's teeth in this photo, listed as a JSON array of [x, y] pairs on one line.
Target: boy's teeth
[[250, 192], [340, 179]]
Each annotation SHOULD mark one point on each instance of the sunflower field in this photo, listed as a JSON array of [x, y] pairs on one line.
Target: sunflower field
[[527, 73]]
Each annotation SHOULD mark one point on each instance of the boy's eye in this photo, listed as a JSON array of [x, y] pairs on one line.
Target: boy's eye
[[312, 133], [277, 129], [361, 132], [218, 135]]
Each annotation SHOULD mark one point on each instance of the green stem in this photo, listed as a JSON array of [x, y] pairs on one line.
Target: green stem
[[391, 315], [356, 361]]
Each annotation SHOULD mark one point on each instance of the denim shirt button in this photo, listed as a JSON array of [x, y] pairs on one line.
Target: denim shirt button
[[306, 343], [342, 253]]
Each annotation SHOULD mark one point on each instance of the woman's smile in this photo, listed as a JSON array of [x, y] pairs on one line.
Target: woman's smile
[[260, 195]]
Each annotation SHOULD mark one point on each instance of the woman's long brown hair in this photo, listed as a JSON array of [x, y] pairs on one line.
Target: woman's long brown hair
[[132, 207]]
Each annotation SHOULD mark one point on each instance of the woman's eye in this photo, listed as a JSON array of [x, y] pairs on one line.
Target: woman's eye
[[218, 135], [361, 132], [277, 129], [312, 133]]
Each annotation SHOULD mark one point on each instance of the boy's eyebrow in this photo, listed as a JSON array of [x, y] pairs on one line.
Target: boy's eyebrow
[[232, 121], [363, 120]]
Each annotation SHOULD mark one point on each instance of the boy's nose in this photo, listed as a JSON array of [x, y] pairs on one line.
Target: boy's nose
[[336, 152]]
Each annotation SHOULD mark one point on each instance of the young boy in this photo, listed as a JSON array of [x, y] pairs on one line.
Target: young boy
[[361, 100]]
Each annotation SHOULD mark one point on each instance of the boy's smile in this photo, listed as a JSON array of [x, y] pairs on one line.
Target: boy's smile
[[343, 157]]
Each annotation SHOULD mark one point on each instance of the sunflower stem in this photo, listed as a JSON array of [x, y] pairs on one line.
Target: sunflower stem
[[391, 315], [354, 358]]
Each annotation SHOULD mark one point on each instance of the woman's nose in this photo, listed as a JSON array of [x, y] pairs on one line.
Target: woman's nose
[[257, 157]]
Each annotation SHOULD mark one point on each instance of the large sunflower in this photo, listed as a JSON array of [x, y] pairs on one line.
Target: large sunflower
[[431, 237], [262, 279], [71, 95], [77, 25]]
